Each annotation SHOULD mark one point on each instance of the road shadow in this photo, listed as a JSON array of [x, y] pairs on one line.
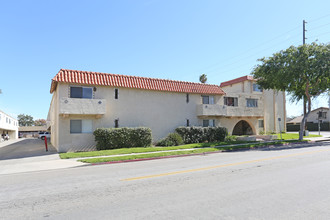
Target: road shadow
[[26, 148]]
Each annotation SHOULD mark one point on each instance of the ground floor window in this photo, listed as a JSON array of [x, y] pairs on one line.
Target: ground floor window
[[209, 123], [81, 126], [261, 123]]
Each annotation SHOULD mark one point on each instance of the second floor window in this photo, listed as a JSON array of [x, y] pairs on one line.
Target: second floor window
[[231, 101], [322, 115], [81, 92], [257, 88], [208, 99], [251, 102]]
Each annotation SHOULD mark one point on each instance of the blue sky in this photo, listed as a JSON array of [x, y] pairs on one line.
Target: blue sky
[[176, 40]]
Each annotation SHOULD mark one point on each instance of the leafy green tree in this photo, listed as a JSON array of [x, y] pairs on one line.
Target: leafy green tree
[[25, 120], [303, 71], [40, 122], [203, 78]]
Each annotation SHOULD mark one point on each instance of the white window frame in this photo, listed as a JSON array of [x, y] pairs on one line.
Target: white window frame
[[210, 99], [235, 101], [254, 103], [210, 122], [86, 126], [83, 87]]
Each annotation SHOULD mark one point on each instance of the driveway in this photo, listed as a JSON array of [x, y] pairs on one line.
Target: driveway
[[24, 148], [29, 155]]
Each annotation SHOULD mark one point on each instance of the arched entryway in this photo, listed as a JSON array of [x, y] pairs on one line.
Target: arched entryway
[[242, 128]]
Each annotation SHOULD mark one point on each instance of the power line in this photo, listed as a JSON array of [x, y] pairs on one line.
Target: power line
[[257, 46], [244, 64], [320, 34], [246, 57], [319, 18], [317, 27]]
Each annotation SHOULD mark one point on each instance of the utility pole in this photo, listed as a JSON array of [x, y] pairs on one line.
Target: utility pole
[[304, 30], [305, 104]]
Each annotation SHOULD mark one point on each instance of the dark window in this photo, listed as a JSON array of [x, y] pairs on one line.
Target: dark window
[[209, 123], [208, 99], [116, 123], [322, 115], [252, 103], [261, 123], [81, 92], [187, 98], [75, 126], [188, 124], [81, 126], [231, 101], [116, 93], [257, 88]]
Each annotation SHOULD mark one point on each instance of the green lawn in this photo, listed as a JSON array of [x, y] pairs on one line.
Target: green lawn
[[195, 151], [290, 136], [143, 149]]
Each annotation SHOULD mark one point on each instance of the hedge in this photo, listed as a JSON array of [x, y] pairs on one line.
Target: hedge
[[113, 138], [310, 126], [172, 139], [202, 134]]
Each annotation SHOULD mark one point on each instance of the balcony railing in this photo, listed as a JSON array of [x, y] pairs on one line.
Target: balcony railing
[[75, 106], [228, 111]]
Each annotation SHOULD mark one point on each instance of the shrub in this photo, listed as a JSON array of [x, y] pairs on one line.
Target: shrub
[[172, 139], [112, 138], [231, 138], [202, 134]]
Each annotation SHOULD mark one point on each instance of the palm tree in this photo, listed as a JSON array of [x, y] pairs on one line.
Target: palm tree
[[203, 78]]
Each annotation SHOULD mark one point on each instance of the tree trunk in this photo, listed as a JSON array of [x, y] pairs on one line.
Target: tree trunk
[[303, 122]]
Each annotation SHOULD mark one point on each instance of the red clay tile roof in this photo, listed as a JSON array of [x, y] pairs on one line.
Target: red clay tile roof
[[237, 80], [106, 79]]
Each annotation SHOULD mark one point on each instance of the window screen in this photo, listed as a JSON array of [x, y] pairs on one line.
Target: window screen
[[75, 126], [205, 99], [205, 123], [208, 99], [252, 102], [81, 126], [81, 92]]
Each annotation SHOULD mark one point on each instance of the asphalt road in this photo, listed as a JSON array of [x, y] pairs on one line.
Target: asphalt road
[[269, 184]]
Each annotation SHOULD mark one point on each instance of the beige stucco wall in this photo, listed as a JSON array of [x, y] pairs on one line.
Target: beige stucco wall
[[160, 111], [272, 103]]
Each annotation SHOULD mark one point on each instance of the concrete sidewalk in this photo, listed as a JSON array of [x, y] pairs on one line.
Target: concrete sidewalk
[[288, 145], [29, 155]]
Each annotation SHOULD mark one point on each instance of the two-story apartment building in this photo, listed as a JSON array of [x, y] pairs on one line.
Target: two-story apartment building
[[83, 101], [8, 125], [252, 110]]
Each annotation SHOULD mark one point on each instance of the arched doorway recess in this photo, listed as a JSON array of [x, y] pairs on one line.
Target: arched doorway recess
[[242, 128]]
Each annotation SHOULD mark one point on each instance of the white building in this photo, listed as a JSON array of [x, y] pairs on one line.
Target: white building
[[8, 125]]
